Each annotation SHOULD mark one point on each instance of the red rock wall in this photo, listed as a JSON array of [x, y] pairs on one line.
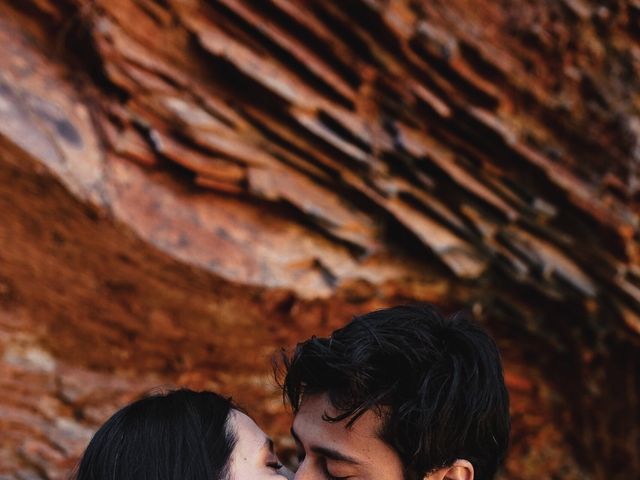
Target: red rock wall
[[186, 186]]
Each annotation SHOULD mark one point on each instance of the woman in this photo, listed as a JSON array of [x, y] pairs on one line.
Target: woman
[[181, 435]]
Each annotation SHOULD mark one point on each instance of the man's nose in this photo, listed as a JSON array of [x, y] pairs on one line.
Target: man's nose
[[305, 472]]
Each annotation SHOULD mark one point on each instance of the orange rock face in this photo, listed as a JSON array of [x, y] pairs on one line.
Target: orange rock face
[[187, 186]]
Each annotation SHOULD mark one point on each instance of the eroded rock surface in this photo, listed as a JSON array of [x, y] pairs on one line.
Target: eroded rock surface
[[185, 186]]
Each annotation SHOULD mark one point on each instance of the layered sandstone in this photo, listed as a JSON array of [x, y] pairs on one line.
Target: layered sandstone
[[186, 186]]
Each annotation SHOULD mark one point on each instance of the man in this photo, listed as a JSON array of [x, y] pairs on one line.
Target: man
[[401, 393]]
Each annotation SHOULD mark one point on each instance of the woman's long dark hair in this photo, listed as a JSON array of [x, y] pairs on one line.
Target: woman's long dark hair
[[181, 435]]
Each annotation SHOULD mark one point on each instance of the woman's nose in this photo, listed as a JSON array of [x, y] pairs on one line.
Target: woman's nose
[[285, 472]]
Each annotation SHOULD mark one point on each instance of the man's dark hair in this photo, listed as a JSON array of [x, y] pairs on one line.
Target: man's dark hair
[[181, 435], [436, 382]]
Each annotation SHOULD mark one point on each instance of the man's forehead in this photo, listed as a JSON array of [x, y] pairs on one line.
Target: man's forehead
[[311, 404], [310, 421]]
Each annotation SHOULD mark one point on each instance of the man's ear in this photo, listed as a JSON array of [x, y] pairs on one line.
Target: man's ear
[[459, 470]]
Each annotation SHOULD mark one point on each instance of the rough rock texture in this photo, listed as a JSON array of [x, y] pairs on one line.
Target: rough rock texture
[[187, 185]]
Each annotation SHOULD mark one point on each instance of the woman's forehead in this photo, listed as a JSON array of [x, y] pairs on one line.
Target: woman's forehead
[[247, 431]]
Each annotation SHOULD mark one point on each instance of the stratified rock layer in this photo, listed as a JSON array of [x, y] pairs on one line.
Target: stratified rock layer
[[185, 186]]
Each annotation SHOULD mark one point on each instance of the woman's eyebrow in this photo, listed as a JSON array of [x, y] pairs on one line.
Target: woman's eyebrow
[[268, 444]]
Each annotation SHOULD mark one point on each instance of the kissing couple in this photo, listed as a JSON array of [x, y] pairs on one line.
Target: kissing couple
[[402, 393]]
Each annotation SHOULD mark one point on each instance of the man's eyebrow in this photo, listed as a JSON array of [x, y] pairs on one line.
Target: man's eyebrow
[[334, 455], [327, 452]]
